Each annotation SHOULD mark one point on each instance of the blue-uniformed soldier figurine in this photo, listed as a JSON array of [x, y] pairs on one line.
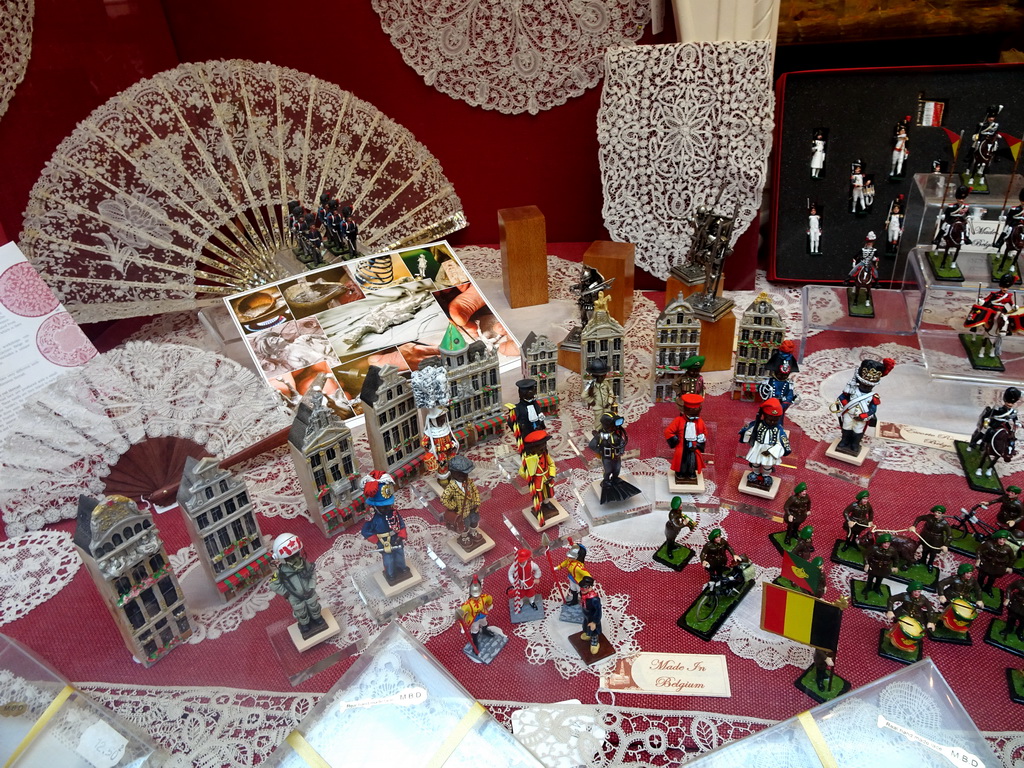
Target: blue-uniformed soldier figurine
[[386, 529]]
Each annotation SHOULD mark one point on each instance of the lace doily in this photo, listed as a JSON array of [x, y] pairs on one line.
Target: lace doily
[[742, 631], [173, 193], [900, 393], [677, 124], [66, 440], [512, 57], [15, 46], [33, 568], [548, 639]]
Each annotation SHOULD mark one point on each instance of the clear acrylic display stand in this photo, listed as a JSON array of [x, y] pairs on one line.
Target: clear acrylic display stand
[[383, 608], [299, 667], [861, 475], [589, 496]]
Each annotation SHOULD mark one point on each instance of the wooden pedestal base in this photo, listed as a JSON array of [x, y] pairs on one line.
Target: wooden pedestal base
[[696, 489], [466, 555], [557, 516], [716, 342], [833, 453], [524, 263], [304, 644], [415, 577], [615, 261]]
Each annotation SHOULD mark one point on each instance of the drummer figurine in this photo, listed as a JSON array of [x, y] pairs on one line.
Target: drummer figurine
[[903, 640], [960, 598], [686, 435], [963, 584], [674, 555], [911, 603]]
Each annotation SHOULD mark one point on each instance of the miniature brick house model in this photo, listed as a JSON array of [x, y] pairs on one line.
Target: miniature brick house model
[[392, 426], [540, 363], [475, 410], [220, 519], [124, 555], [760, 333], [602, 338], [676, 338], [322, 451]]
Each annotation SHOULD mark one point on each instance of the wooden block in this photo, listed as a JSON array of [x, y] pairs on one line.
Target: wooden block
[[674, 287], [716, 342], [569, 358], [304, 644], [615, 260], [524, 261]]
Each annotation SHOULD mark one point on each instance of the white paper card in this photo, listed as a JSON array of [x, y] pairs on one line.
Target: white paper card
[[101, 745], [672, 674]]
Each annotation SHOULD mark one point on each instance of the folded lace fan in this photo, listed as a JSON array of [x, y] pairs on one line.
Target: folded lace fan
[[174, 193]]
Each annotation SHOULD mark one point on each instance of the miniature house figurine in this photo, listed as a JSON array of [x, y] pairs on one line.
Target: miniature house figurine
[[475, 409], [391, 424], [295, 581], [125, 556], [602, 338], [322, 451], [220, 518], [760, 333], [676, 339], [540, 363]]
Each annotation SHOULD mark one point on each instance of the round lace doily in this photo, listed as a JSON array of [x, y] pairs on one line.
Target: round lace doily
[[513, 57], [15, 46], [678, 124]]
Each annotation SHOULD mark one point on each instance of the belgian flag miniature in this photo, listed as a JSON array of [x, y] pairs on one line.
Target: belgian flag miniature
[[800, 617]]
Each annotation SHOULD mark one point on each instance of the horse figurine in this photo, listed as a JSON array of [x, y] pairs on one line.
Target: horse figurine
[[953, 234], [864, 273], [995, 440], [1011, 239], [982, 152], [997, 315]]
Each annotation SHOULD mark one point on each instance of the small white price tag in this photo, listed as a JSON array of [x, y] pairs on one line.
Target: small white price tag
[[101, 745]]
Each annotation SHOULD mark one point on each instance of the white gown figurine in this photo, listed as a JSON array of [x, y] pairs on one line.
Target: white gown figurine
[[857, 188], [894, 226], [899, 148], [813, 230], [817, 154]]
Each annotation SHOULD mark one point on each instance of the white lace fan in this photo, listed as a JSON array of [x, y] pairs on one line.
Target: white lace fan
[[174, 193], [78, 431], [15, 46]]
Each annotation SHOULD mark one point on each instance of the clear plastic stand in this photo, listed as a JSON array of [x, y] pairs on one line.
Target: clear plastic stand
[[861, 475], [613, 511], [782, 482], [299, 667], [383, 608]]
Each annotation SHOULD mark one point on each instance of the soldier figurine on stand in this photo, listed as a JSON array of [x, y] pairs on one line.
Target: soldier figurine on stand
[[911, 614], [855, 409], [730, 579], [609, 442], [538, 470], [485, 642], [862, 189], [994, 438], [769, 443], [894, 226], [387, 532], [1009, 634], [523, 577], [881, 560], [686, 435], [295, 581], [691, 382], [525, 416], [674, 555], [995, 560], [1010, 516], [779, 367], [996, 316], [960, 598], [935, 536], [862, 278], [954, 233], [461, 500], [590, 644], [795, 512], [900, 152]]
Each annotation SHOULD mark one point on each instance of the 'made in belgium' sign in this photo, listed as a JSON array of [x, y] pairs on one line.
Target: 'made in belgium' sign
[[672, 674]]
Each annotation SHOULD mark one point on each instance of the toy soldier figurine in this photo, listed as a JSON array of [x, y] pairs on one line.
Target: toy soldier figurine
[[856, 405], [1010, 220], [524, 417], [575, 571], [818, 153], [474, 612], [386, 529], [881, 561], [824, 662], [813, 230], [1011, 510], [795, 511], [805, 545], [911, 603], [984, 144], [687, 437], [995, 560], [598, 393], [538, 469], [590, 601], [349, 229], [899, 148], [954, 231], [295, 582], [609, 442], [962, 585], [894, 226], [1013, 599], [461, 499], [523, 576], [862, 193], [677, 520], [935, 535], [691, 382], [780, 365], [863, 273], [768, 444], [859, 516], [996, 434], [717, 555]]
